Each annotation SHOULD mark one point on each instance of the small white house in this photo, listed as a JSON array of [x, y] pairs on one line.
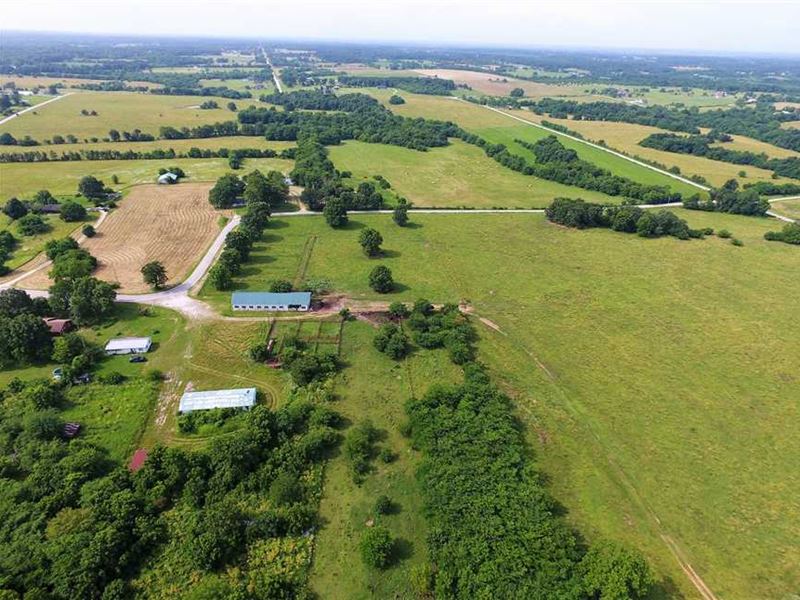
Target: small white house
[[128, 345], [167, 178]]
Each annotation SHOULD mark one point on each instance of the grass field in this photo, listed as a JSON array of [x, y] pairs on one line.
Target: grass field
[[123, 111], [25, 179], [626, 137], [29, 246], [789, 208], [453, 176], [631, 369], [374, 387], [499, 129], [215, 143], [747, 144]]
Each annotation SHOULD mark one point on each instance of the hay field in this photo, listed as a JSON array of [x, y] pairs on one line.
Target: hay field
[[747, 144], [124, 111], [172, 224], [626, 137], [788, 208], [29, 81], [493, 84], [791, 125]]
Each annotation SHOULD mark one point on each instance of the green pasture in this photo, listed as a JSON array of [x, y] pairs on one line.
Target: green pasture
[[660, 372], [456, 175], [23, 179]]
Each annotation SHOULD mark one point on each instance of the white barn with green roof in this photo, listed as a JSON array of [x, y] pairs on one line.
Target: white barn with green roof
[[271, 301]]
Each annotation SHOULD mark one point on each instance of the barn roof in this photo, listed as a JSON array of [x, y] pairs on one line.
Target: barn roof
[[126, 343], [271, 298], [234, 398]]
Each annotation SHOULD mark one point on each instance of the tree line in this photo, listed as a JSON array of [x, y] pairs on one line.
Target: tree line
[[730, 199], [417, 85], [486, 505], [761, 122], [157, 154], [575, 212]]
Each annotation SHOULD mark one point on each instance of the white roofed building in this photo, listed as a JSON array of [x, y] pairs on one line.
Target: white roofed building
[[235, 398], [129, 345]]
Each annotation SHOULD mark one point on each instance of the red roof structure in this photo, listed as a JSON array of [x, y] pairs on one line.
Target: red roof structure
[[59, 326], [137, 462]]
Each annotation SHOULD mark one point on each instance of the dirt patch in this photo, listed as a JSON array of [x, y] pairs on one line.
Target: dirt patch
[[173, 224]]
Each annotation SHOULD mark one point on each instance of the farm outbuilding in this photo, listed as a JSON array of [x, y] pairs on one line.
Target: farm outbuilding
[[167, 178], [271, 301], [234, 398], [59, 326], [128, 345]]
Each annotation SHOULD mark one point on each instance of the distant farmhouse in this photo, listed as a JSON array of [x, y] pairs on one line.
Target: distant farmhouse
[[235, 398], [128, 345], [271, 301]]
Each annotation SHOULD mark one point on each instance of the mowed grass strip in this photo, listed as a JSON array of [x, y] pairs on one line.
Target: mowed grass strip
[[458, 175], [670, 369], [25, 179]]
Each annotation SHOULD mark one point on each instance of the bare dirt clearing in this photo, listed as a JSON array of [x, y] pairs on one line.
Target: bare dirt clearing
[[172, 224]]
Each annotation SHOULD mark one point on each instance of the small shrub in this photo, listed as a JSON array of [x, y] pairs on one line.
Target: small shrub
[[383, 505], [376, 547], [737, 242], [724, 234]]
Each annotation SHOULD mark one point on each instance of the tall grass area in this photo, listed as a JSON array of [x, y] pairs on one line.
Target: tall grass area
[[655, 377]]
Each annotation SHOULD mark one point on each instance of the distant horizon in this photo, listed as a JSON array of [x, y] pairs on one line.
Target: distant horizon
[[711, 27], [399, 43]]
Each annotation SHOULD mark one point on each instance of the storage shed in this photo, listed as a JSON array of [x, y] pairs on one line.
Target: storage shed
[[234, 398], [167, 178], [271, 301], [128, 345]]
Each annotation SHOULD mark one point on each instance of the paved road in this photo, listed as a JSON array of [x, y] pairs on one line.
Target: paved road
[[598, 146], [274, 72], [35, 107]]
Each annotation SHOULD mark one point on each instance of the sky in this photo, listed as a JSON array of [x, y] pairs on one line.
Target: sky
[[728, 26]]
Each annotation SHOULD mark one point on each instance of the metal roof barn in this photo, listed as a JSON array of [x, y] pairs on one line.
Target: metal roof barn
[[271, 301], [128, 345], [236, 398]]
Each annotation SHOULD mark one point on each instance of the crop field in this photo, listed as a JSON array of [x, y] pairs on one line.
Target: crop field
[[626, 137], [170, 224], [453, 176], [501, 129], [501, 85], [25, 179], [123, 111], [603, 340], [791, 125]]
